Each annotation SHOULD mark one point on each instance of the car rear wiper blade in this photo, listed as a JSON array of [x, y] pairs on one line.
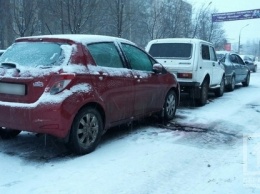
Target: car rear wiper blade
[[8, 65]]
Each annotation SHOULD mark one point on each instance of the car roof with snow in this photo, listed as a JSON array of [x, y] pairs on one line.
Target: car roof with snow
[[77, 38], [178, 40]]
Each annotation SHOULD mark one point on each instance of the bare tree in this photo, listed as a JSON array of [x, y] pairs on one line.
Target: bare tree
[[6, 31], [25, 17], [154, 21], [169, 19]]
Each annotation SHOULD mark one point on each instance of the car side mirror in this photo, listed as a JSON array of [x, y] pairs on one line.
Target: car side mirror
[[157, 68], [246, 62]]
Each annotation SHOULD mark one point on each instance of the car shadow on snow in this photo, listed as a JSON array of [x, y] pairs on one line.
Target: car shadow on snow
[[35, 148], [44, 149]]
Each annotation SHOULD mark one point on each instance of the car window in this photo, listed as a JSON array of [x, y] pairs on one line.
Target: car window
[[233, 58], [239, 60], [105, 54], [213, 56], [137, 58], [205, 52], [33, 54], [171, 50]]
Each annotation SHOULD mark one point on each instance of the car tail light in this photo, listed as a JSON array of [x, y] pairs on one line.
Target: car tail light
[[60, 85], [184, 75]]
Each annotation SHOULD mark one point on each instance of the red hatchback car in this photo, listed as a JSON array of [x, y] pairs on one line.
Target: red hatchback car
[[75, 87]]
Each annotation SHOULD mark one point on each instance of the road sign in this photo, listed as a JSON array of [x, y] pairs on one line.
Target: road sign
[[238, 15]]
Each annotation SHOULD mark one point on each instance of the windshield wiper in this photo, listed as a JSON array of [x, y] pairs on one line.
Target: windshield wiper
[[9, 66]]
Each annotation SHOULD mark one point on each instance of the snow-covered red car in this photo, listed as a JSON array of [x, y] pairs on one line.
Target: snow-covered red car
[[75, 87]]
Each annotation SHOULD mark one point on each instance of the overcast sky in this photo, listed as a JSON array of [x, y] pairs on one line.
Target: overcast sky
[[232, 28]]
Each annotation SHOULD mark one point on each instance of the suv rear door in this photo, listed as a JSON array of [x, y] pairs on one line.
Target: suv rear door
[[174, 56]]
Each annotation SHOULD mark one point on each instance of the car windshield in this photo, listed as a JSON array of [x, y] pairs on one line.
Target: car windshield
[[171, 50], [33, 54]]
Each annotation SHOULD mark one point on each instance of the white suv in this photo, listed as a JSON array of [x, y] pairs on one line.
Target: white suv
[[194, 63]]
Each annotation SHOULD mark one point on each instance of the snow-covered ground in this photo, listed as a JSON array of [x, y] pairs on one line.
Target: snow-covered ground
[[210, 149]]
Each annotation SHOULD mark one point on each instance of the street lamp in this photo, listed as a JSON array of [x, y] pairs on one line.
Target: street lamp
[[238, 50]]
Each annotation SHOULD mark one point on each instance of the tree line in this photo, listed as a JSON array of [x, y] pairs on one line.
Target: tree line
[[137, 20]]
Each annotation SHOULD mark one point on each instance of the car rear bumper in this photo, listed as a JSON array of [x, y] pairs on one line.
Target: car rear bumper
[[46, 118]]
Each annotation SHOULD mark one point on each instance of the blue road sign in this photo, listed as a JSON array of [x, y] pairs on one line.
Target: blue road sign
[[238, 15]]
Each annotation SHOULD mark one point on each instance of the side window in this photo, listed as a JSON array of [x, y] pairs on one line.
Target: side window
[[205, 52], [138, 59], [240, 61], [213, 56], [105, 54], [233, 58]]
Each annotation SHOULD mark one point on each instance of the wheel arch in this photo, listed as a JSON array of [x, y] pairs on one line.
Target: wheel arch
[[207, 77], [96, 106], [89, 104]]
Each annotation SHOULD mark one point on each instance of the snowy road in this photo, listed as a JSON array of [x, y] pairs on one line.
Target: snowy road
[[212, 149]]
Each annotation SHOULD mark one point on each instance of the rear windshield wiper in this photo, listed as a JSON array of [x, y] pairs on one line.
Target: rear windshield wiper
[[9, 66]]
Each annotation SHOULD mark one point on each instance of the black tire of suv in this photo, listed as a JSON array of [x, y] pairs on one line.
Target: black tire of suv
[[8, 133], [170, 105], [220, 91], [203, 93], [231, 86], [247, 80], [86, 131]]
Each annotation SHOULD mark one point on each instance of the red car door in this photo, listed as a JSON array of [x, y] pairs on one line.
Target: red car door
[[112, 82], [149, 94]]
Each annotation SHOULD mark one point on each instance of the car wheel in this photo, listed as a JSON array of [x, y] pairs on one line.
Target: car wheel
[[8, 133], [255, 69], [247, 80], [86, 131], [203, 93], [220, 91], [232, 84], [170, 106]]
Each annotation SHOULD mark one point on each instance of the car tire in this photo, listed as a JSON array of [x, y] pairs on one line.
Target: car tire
[[232, 84], [86, 131], [170, 106], [247, 80], [220, 91], [203, 93], [8, 133], [255, 69]]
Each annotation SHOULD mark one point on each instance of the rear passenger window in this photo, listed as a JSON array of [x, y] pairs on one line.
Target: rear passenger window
[[105, 54]]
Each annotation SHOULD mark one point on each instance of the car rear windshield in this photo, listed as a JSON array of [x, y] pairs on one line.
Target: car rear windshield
[[33, 54], [171, 50]]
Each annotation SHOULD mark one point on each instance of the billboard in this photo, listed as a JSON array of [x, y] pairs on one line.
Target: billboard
[[228, 47], [238, 15]]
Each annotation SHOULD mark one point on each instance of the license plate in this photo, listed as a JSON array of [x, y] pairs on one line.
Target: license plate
[[15, 89]]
